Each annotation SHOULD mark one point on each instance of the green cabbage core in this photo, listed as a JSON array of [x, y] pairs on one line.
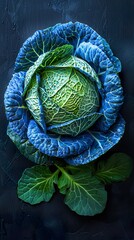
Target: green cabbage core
[[61, 91], [67, 94]]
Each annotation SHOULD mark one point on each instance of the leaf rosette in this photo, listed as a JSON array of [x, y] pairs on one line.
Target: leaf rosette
[[64, 98]]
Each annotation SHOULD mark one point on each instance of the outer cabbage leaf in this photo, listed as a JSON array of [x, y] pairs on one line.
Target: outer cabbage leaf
[[42, 41], [27, 149], [61, 34], [16, 110], [113, 98], [56, 145], [18, 116], [101, 144]]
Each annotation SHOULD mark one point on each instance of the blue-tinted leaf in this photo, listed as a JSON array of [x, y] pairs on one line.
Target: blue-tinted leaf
[[50, 38], [101, 144], [18, 117], [56, 145], [76, 33], [42, 41], [94, 56], [117, 64], [76, 126], [16, 110], [113, 98], [27, 149]]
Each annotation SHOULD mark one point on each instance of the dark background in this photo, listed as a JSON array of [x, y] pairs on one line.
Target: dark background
[[114, 20]]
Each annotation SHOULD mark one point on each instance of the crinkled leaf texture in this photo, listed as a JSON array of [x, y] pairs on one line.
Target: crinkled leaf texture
[[32, 136], [102, 142]]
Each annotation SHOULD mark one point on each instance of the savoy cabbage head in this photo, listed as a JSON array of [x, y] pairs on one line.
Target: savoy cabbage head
[[64, 98]]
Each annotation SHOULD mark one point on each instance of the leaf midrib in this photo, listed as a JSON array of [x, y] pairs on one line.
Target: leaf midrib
[[77, 184], [44, 181], [108, 170]]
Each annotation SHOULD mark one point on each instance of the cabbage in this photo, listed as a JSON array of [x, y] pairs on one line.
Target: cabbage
[[62, 105], [64, 98]]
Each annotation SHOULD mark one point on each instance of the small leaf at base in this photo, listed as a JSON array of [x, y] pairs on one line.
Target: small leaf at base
[[37, 184], [117, 168], [84, 194]]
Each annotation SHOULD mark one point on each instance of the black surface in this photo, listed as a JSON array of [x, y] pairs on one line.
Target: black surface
[[114, 20]]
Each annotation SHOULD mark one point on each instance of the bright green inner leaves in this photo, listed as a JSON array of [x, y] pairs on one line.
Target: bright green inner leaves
[[60, 89], [67, 91]]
